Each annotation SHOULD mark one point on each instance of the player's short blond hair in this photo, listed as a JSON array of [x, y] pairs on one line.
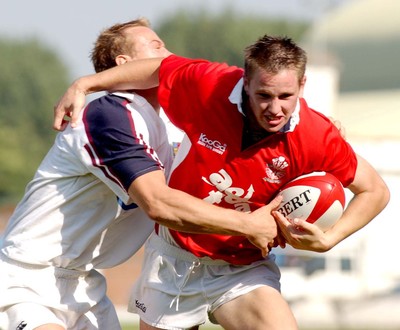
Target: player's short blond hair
[[274, 54], [112, 42]]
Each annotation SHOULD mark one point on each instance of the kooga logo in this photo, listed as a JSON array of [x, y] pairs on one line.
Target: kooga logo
[[213, 145]]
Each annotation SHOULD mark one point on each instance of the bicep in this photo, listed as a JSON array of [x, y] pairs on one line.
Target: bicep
[[366, 177], [148, 188]]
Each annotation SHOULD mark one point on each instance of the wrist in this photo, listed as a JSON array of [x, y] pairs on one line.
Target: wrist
[[245, 226], [83, 85]]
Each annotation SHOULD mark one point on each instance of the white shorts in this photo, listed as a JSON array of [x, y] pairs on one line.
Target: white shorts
[[177, 290], [38, 295]]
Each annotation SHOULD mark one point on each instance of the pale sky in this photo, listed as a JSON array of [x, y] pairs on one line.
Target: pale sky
[[70, 27]]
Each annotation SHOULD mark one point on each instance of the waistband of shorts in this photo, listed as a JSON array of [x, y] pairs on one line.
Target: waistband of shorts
[[160, 244], [58, 272], [7, 259]]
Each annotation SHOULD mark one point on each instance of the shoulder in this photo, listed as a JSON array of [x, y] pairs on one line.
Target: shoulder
[[204, 78], [313, 117], [315, 133], [199, 67], [104, 109]]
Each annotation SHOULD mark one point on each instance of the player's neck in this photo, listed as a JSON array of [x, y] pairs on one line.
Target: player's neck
[[252, 132], [151, 96]]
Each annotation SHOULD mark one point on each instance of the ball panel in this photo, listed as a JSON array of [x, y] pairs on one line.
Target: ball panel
[[316, 197], [331, 215], [299, 201]]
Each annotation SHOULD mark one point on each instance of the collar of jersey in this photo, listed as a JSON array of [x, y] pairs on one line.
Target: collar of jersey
[[126, 95]]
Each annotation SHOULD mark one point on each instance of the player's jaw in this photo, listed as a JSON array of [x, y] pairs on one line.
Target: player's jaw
[[273, 114], [272, 122]]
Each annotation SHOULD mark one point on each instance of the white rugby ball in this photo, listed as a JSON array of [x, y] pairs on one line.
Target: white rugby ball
[[318, 198]]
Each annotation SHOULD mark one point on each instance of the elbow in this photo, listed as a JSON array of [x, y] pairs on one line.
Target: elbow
[[385, 195], [155, 213], [162, 214], [382, 196]]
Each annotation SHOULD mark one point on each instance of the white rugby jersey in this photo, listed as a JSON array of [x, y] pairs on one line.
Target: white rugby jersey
[[76, 212]]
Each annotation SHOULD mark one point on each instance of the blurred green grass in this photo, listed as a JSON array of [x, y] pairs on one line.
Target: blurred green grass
[[136, 327], [211, 327]]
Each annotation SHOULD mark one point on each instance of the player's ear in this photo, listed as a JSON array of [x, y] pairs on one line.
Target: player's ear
[[246, 84], [122, 59], [302, 84]]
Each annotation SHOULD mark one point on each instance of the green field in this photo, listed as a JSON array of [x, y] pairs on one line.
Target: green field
[[136, 327], [211, 327]]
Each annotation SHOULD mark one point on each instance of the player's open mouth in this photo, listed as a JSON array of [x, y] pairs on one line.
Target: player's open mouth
[[273, 120]]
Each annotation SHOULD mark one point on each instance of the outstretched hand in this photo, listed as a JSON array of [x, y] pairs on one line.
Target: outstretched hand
[[68, 107]]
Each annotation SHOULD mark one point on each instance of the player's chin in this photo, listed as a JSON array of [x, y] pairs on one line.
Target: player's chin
[[273, 126], [273, 129]]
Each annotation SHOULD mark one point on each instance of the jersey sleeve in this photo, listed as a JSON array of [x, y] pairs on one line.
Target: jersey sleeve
[[346, 169], [340, 159], [115, 144], [184, 81], [324, 148]]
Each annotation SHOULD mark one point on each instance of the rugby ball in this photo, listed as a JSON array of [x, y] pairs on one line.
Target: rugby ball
[[318, 198]]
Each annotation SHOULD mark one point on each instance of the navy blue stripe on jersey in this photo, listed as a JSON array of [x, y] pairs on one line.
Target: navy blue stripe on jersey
[[96, 162], [116, 144], [126, 207]]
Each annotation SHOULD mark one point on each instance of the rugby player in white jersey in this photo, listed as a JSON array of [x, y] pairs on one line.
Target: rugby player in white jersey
[[89, 203]]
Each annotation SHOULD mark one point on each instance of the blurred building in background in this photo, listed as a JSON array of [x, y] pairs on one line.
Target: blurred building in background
[[354, 76]]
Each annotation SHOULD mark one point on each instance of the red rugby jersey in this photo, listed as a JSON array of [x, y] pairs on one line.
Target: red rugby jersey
[[203, 99]]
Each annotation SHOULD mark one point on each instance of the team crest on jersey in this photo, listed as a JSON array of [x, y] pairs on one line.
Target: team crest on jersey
[[276, 170]]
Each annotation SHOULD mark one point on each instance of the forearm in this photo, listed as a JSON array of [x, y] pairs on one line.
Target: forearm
[[180, 211], [183, 212], [371, 195], [361, 210], [139, 74]]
